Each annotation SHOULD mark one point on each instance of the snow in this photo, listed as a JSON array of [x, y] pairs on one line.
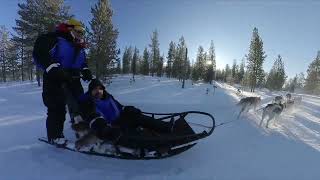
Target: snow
[[288, 149]]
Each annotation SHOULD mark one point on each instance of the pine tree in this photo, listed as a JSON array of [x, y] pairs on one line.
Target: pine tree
[[145, 62], [139, 64], [125, 67], [241, 72], [255, 60], [180, 60], [300, 80], [4, 46], [8, 56], [219, 75], [21, 42], [235, 71], [155, 52], [189, 68], [118, 70], [295, 83], [103, 38], [160, 66], [40, 16], [211, 64], [171, 58], [36, 17], [291, 84], [312, 84], [246, 79], [277, 76], [126, 60], [176, 64], [118, 63], [185, 67], [199, 70], [134, 63], [13, 64]]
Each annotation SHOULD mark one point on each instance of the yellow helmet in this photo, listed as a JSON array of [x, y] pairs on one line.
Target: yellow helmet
[[77, 25]]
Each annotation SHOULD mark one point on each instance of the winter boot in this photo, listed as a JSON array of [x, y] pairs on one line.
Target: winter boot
[[59, 142]]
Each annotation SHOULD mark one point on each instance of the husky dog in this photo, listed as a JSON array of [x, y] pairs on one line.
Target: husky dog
[[278, 99], [247, 103], [288, 96], [83, 133], [88, 139], [80, 127], [272, 111]]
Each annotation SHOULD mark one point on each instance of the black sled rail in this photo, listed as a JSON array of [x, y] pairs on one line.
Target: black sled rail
[[183, 115], [123, 155], [173, 140]]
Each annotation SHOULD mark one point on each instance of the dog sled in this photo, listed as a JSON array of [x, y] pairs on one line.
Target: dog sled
[[145, 144]]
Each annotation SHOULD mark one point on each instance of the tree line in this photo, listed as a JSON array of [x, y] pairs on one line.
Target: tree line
[[248, 72], [177, 64], [40, 16]]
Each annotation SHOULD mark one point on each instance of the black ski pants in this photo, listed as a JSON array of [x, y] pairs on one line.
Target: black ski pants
[[55, 99]]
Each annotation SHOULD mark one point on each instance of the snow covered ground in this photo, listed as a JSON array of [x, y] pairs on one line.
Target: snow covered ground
[[288, 149]]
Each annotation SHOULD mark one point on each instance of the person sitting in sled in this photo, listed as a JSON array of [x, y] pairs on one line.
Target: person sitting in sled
[[108, 119]]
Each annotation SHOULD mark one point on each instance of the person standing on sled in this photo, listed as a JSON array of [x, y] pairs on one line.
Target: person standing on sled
[[108, 119], [61, 56]]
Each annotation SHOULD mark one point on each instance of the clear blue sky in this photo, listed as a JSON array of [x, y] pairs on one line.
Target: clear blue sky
[[290, 28]]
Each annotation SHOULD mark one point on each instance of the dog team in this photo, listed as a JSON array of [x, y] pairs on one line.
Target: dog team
[[271, 110]]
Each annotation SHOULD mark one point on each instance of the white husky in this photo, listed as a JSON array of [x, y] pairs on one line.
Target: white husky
[[272, 111]]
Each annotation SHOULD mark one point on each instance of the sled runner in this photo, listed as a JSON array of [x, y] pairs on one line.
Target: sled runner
[[145, 144]]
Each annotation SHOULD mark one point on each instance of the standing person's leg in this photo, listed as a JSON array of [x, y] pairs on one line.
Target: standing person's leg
[[54, 100], [74, 91], [78, 89]]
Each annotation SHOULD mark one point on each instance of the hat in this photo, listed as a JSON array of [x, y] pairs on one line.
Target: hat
[[76, 24], [71, 23], [94, 83]]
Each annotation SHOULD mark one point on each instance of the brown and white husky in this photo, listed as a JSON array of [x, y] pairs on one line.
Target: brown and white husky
[[247, 103]]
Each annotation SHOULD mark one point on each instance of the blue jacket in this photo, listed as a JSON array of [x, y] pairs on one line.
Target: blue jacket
[[109, 108], [58, 47], [65, 53]]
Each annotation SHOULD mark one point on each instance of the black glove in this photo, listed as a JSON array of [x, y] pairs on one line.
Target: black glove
[[58, 74], [86, 74]]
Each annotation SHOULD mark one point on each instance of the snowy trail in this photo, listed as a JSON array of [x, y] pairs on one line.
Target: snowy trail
[[239, 150], [300, 122]]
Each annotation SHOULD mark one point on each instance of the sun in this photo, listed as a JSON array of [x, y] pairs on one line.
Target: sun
[[220, 61]]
